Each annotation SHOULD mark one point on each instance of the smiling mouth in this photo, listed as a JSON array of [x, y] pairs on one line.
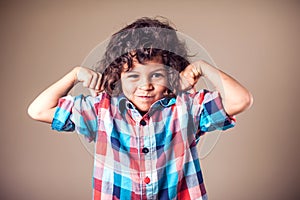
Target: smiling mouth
[[146, 97]]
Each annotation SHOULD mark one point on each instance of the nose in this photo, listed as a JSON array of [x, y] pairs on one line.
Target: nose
[[145, 84]]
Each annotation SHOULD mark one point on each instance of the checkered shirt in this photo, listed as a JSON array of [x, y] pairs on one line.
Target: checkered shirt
[[144, 157]]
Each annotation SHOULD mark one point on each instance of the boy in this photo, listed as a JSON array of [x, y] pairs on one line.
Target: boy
[[144, 124]]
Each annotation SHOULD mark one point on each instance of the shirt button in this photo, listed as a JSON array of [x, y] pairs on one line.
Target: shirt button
[[143, 122], [147, 180], [145, 150]]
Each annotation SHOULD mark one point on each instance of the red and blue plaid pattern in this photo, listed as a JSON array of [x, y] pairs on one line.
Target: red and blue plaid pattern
[[144, 157]]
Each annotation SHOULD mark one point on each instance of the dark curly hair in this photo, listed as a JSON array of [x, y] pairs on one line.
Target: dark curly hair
[[144, 39]]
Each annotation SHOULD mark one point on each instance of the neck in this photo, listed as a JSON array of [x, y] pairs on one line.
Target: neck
[[143, 112]]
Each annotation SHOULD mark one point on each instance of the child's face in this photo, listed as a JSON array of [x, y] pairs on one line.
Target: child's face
[[145, 84]]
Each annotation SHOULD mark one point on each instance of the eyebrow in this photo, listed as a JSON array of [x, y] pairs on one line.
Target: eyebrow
[[159, 69]]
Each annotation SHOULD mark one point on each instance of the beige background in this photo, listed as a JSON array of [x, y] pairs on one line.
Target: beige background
[[255, 41]]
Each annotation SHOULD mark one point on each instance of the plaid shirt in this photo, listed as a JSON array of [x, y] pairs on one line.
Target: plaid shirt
[[144, 157]]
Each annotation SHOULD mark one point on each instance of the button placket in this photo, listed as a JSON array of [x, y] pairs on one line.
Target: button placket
[[147, 180], [145, 150], [143, 122]]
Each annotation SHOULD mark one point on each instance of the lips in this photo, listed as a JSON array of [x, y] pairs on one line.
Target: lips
[[145, 97]]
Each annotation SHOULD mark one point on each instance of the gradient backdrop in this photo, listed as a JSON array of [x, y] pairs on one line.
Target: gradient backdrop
[[257, 42]]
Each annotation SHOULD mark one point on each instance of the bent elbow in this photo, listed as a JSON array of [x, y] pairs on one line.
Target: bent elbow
[[32, 113], [40, 114], [239, 104], [244, 103], [248, 101]]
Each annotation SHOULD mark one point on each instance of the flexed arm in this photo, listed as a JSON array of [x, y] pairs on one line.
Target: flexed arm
[[235, 97], [44, 105]]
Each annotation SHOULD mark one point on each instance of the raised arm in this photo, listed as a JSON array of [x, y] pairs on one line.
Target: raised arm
[[235, 97], [44, 105]]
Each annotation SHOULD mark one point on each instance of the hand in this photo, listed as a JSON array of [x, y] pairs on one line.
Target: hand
[[190, 76], [90, 79]]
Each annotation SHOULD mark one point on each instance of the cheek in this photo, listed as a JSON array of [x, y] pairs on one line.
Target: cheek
[[127, 87], [162, 84], [161, 90]]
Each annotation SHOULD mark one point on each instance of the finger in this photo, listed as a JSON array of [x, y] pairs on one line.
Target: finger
[[94, 80], [98, 84], [195, 71], [189, 77]]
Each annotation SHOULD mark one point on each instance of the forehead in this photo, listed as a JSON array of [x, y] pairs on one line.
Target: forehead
[[150, 65], [147, 67]]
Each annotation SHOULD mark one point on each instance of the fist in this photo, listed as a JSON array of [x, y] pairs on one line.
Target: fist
[[89, 79], [189, 77]]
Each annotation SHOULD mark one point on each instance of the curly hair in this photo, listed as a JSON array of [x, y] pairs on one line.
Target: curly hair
[[143, 40]]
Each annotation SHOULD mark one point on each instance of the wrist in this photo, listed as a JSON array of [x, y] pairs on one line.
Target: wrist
[[74, 74]]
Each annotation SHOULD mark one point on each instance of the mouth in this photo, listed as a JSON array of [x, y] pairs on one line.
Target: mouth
[[145, 97]]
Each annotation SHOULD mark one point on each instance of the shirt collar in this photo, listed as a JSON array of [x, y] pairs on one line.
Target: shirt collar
[[125, 104], [167, 101]]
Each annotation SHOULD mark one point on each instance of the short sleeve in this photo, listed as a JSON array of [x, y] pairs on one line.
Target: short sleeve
[[76, 113], [213, 116]]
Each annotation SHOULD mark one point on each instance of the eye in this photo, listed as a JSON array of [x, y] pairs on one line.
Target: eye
[[158, 75], [133, 76]]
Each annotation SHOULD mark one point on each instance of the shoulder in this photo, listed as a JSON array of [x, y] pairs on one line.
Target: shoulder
[[102, 97], [86, 102], [103, 100], [198, 97]]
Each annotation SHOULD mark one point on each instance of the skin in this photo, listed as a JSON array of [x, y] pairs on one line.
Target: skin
[[235, 97], [143, 85]]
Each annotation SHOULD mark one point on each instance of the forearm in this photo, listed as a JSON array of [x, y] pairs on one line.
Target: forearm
[[235, 97], [43, 107]]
